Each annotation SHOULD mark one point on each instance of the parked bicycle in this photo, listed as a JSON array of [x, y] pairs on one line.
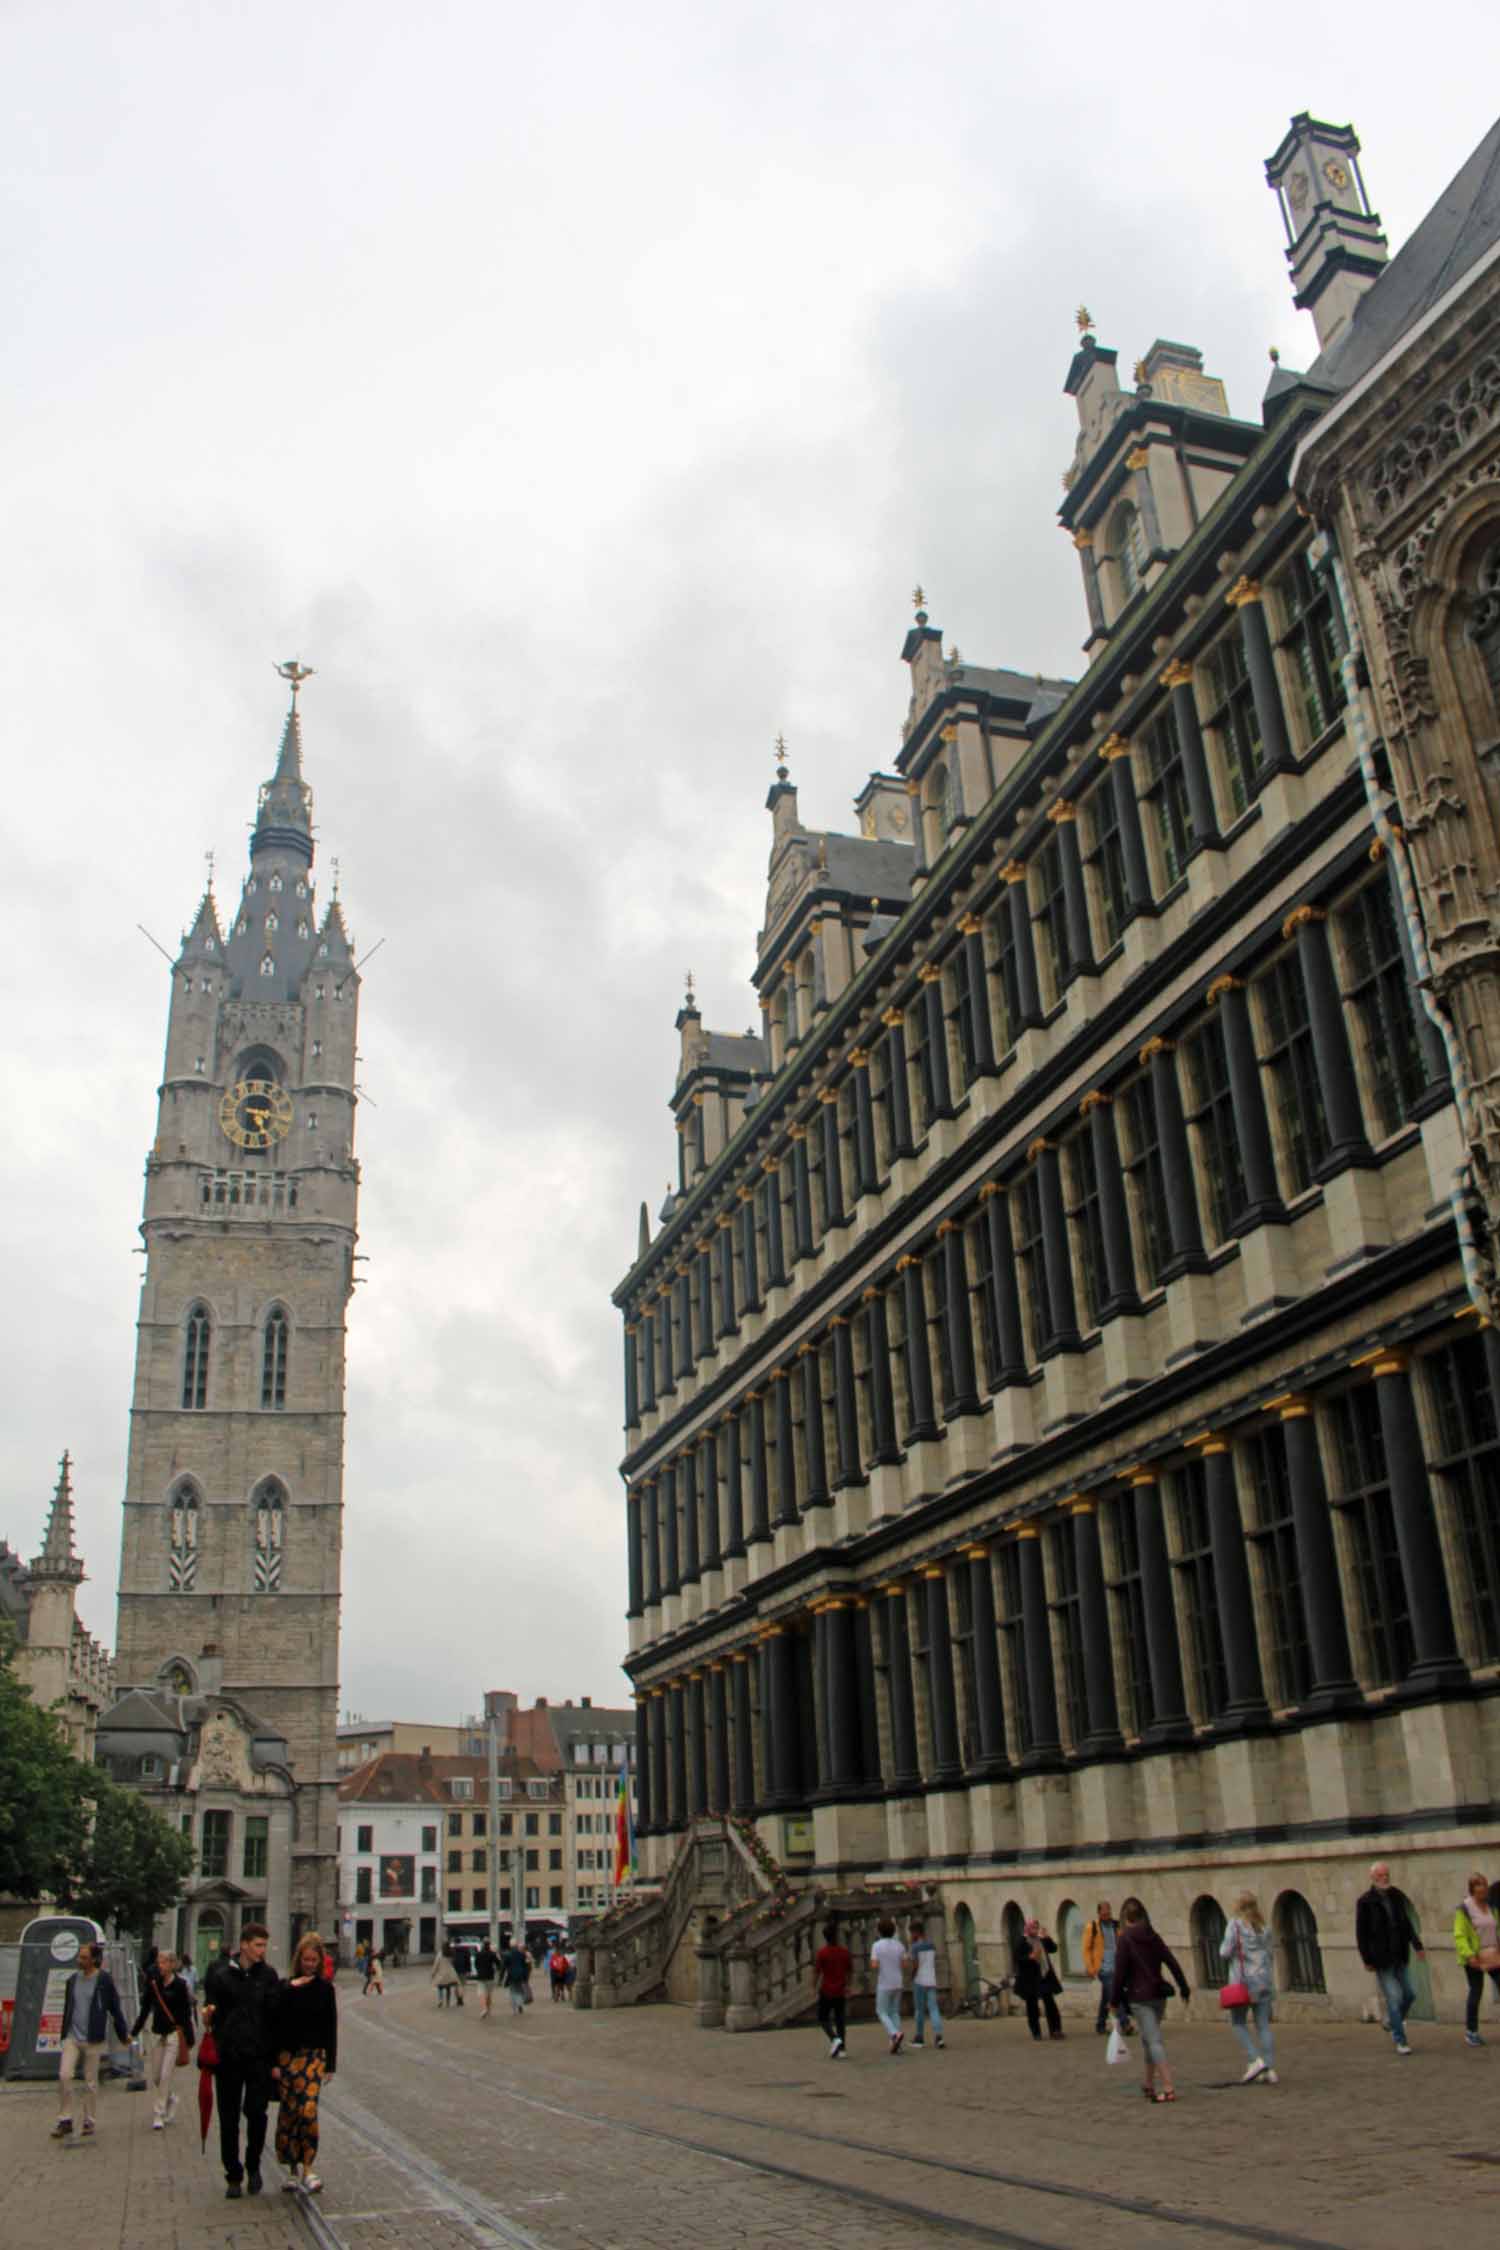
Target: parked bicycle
[[983, 1998]]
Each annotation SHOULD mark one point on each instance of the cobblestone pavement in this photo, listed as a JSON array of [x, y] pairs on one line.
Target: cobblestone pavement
[[573, 2131]]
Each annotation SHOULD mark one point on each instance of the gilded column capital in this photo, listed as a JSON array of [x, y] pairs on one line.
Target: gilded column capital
[[1027, 1531], [770, 1163], [1154, 1046], [859, 1058], [745, 1194], [1137, 457], [978, 1552], [1143, 1474], [969, 925], [1014, 871], [906, 1259], [827, 1095], [1302, 917], [870, 1296], [1377, 851], [797, 1132], [1039, 1147], [1062, 811], [933, 1570], [891, 1017], [1242, 593], [1081, 1505], [1179, 673], [991, 1187], [1095, 1098], [838, 1320], [724, 1222], [1083, 540], [948, 732], [929, 973], [946, 1226], [1220, 986], [1292, 1407], [1391, 1363], [1113, 748]]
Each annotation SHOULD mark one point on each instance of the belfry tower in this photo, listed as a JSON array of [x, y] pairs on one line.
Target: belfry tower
[[229, 1577]]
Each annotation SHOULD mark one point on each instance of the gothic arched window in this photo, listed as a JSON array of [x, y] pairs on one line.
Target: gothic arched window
[[182, 1539], [1484, 623], [273, 1362], [195, 1358], [267, 966], [270, 1536]]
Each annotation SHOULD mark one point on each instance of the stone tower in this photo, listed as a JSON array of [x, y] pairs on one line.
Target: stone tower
[[229, 1576]]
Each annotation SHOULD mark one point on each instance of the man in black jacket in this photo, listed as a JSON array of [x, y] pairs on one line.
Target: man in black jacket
[[237, 1997], [1387, 1938]]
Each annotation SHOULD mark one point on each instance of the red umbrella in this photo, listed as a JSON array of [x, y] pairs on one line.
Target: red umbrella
[[208, 2062]]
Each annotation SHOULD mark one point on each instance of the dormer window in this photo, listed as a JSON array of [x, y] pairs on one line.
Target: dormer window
[[460, 1785], [1127, 548], [267, 966], [301, 888], [272, 925], [274, 884], [302, 928]]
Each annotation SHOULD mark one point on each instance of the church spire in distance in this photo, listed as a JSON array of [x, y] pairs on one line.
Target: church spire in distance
[[58, 1559], [271, 940]]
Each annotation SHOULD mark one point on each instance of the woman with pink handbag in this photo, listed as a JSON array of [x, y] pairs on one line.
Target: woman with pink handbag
[[1247, 1949]]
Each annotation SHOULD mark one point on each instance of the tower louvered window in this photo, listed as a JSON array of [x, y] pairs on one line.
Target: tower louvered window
[[273, 1364], [270, 1537], [195, 1359], [182, 1540]]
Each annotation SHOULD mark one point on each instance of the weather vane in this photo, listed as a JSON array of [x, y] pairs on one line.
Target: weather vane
[[918, 598], [1084, 319], [294, 674], [208, 858], [688, 994], [781, 757], [338, 868]]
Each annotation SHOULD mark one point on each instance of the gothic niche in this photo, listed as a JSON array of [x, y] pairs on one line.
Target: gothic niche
[[270, 1536], [182, 1540]]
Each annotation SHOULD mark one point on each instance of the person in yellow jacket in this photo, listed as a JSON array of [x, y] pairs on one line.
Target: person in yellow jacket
[[1477, 1943], [1099, 1961]]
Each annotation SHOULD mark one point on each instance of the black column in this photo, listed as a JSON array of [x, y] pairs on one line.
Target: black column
[[705, 1299], [965, 1399], [734, 1497], [1261, 666], [634, 1557], [989, 1703], [744, 1739], [728, 1320], [1348, 1142], [1114, 1214], [1252, 1128], [644, 1821], [697, 1717], [718, 1736], [775, 1247], [786, 1448], [868, 1705], [632, 1390], [685, 1322], [786, 1744], [1075, 899], [687, 1484], [938, 1077], [977, 969], [899, 1089], [749, 1252], [802, 1210], [677, 1785], [814, 1451], [1179, 678], [886, 1446], [652, 1526], [866, 1165], [671, 1565], [845, 1406], [1006, 1295], [841, 1676], [1171, 1722], [822, 1758], [1103, 1735], [1183, 1223], [1138, 895], [760, 1485], [833, 1161], [905, 1771], [1045, 1747], [1023, 941], [942, 1701], [1333, 1685], [1246, 1706], [710, 1545], [656, 1714], [648, 1361], [918, 1358], [1437, 1667], [666, 1371], [1059, 1266]]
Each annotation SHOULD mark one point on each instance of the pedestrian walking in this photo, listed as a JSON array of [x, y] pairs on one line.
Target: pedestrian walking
[[167, 2008], [1099, 1940], [515, 1974], [1140, 1957], [305, 2042], [924, 1987], [1036, 1981], [888, 1960], [1478, 1947], [445, 1977], [374, 1974], [237, 1996], [557, 1968], [832, 1964], [90, 2005], [1246, 1946], [486, 1968], [1386, 1935]]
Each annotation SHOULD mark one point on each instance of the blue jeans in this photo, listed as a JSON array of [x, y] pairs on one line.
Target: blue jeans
[[1148, 2015], [924, 2006], [1261, 2046], [1396, 1991]]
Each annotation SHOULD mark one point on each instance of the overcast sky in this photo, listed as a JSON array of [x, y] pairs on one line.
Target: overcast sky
[[580, 389]]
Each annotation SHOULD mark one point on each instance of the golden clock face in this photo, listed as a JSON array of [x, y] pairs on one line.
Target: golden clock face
[[256, 1112], [1336, 175]]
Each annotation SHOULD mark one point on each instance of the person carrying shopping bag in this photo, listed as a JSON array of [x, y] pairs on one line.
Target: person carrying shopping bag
[[1246, 1947]]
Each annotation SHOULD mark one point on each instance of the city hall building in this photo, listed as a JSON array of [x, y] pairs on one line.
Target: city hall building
[[1061, 1430]]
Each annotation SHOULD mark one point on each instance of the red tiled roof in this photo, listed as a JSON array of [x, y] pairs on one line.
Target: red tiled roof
[[402, 1777]]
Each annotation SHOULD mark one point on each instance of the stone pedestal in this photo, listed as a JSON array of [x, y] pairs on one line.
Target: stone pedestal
[[711, 1589], [993, 1820], [1171, 1794], [926, 1470], [1067, 1389], [968, 1446], [906, 1830], [1443, 1147], [1045, 1804], [1105, 1807], [788, 1543], [671, 1613], [1268, 1270], [1128, 1359], [1247, 1779], [850, 1836], [1444, 1754], [851, 1511], [948, 1825], [1358, 1222], [1338, 1766], [1192, 1315], [709, 2011], [736, 1576], [885, 1491]]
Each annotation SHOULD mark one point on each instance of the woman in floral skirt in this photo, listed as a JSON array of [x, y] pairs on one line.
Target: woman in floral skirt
[[305, 2041]]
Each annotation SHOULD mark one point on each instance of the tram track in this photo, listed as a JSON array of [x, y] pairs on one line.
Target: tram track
[[1211, 2226]]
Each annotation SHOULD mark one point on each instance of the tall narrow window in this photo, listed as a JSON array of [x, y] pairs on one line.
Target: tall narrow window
[[1364, 1497], [1052, 918], [1167, 794], [1031, 1264], [1380, 991], [1289, 1056], [1484, 622], [273, 1362], [1127, 548], [1104, 857], [1085, 1221], [1128, 1599], [1311, 646], [1193, 1561], [1274, 1539], [1146, 1174], [213, 1848], [1468, 1467], [1234, 720], [182, 1540], [1067, 1631], [1011, 1625], [1210, 1117], [195, 1358], [270, 1536]]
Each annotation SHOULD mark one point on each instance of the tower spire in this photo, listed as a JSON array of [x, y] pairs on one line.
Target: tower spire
[[58, 1559]]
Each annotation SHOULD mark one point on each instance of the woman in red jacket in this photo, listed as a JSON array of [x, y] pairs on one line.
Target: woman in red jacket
[[1140, 1957]]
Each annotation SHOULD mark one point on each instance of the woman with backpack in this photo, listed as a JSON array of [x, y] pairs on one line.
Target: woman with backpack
[[1246, 1946], [1140, 1957]]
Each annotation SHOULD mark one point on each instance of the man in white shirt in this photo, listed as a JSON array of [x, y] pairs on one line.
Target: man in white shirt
[[888, 1960], [924, 1999]]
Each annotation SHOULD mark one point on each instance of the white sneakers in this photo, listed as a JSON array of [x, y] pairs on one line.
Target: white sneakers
[[1254, 2071], [835, 2049]]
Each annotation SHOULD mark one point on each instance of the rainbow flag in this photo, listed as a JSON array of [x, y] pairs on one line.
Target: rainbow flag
[[624, 1833]]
